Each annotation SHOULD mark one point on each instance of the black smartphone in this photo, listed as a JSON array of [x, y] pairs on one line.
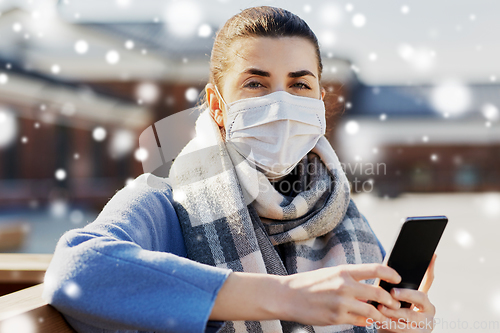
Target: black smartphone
[[412, 252]]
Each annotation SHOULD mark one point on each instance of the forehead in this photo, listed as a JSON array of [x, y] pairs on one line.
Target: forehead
[[273, 54]]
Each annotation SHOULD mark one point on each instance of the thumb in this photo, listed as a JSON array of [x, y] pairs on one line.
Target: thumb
[[429, 276]]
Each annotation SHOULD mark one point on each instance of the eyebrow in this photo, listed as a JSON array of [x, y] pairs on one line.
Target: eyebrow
[[260, 72], [300, 73]]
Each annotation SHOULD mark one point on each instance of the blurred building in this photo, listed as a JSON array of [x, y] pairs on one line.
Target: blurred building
[[63, 139], [76, 97], [68, 141], [422, 138]]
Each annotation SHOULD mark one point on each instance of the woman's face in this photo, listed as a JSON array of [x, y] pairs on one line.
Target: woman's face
[[262, 65]]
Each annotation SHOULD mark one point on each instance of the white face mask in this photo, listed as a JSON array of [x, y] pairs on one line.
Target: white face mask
[[274, 131]]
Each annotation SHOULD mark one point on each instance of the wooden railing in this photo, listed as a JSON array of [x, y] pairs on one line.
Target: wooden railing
[[25, 310]]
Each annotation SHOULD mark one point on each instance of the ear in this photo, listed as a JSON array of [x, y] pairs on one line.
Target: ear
[[214, 105], [323, 93]]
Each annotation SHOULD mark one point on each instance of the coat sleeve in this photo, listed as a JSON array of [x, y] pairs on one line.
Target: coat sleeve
[[127, 271]]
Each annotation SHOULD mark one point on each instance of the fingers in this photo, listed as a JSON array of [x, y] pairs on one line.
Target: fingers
[[372, 271], [375, 293], [416, 297], [361, 309], [429, 276], [406, 320]]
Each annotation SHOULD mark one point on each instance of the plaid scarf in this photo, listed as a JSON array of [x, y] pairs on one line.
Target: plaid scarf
[[232, 216]]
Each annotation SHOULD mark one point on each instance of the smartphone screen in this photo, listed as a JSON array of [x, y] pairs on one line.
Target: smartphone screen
[[413, 250]]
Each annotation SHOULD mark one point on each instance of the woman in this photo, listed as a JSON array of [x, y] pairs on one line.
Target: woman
[[258, 204]]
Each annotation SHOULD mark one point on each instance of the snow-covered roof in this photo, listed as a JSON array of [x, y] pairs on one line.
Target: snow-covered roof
[[420, 100], [69, 101]]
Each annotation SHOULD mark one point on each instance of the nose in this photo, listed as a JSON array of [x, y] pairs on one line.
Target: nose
[[279, 87]]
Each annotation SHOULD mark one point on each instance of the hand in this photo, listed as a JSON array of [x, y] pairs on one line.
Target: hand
[[334, 295], [422, 310]]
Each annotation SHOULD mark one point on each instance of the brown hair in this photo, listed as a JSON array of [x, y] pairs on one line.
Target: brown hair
[[263, 21]]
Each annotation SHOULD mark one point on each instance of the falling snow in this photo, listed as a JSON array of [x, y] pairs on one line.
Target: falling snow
[[72, 289], [122, 143], [359, 20], [17, 27], [464, 238], [191, 94], [327, 38], [491, 204], [204, 31], [76, 216], [112, 57], [20, 323], [352, 127], [421, 59], [495, 302], [490, 111], [68, 109], [123, 3], [3, 78], [129, 44], [141, 154], [60, 174], [81, 47], [58, 208], [331, 14], [179, 195], [183, 17], [55, 69], [99, 133], [147, 92], [451, 98], [8, 128], [129, 182]]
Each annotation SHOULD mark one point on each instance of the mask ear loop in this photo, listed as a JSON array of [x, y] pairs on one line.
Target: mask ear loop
[[220, 96], [223, 128]]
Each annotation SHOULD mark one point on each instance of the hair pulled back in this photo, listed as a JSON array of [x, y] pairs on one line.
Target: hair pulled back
[[263, 21]]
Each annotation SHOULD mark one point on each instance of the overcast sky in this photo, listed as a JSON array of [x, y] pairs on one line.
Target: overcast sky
[[390, 42]]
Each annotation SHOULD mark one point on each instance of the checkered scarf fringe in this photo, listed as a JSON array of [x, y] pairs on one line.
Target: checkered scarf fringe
[[233, 217]]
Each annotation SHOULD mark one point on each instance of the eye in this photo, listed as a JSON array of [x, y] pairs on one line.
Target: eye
[[301, 85], [253, 85]]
